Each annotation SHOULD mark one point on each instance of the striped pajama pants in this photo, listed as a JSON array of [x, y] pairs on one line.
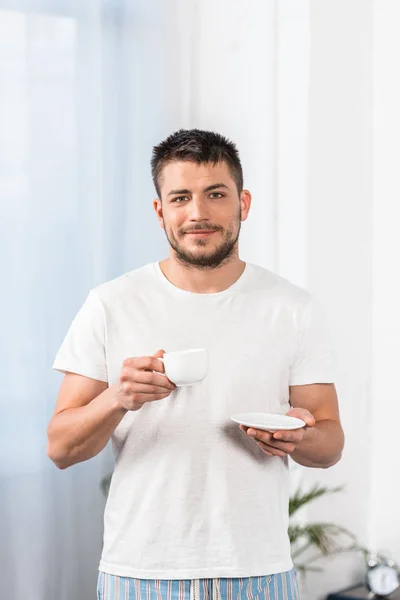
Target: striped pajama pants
[[282, 586]]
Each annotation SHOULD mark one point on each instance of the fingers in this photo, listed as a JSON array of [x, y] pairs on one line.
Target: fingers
[[141, 381], [133, 387], [160, 367], [139, 393], [285, 447], [304, 414], [144, 363], [153, 379], [270, 445], [271, 451], [278, 450], [134, 374], [143, 398], [279, 438], [289, 436], [268, 453]]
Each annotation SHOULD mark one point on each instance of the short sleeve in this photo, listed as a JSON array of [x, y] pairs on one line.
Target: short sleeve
[[83, 349], [313, 359]]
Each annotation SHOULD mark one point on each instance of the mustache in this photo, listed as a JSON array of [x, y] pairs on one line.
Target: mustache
[[200, 227]]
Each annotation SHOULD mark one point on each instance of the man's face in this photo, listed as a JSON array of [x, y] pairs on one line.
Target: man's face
[[201, 212]]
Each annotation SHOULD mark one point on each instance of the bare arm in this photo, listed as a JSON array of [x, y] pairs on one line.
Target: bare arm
[[87, 410], [320, 444], [85, 417]]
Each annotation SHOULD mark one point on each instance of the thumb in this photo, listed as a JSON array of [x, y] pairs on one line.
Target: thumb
[[304, 414], [160, 354]]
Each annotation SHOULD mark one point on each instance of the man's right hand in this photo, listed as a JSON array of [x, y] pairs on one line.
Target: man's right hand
[[138, 383]]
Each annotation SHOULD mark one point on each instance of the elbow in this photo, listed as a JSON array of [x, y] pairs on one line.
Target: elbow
[[55, 450], [58, 454], [62, 456], [59, 459], [332, 462], [61, 465], [339, 452]]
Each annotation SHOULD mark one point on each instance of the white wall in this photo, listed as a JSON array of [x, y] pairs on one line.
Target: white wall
[[292, 73], [339, 252], [385, 463], [315, 119], [233, 92], [352, 249]]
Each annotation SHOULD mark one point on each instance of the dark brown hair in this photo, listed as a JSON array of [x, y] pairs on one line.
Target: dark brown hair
[[197, 146]]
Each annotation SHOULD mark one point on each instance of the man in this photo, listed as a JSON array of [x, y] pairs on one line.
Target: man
[[198, 506]]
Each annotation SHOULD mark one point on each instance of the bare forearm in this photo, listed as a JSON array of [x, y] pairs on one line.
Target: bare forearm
[[321, 446], [77, 434]]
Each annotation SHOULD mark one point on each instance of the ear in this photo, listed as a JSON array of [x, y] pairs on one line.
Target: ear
[[245, 203], [157, 205]]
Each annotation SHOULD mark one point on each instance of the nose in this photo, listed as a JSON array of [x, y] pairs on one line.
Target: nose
[[198, 210]]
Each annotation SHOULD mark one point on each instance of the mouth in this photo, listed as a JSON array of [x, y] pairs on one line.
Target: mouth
[[201, 233]]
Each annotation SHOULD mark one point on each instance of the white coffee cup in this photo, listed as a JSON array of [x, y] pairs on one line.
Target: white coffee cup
[[186, 367]]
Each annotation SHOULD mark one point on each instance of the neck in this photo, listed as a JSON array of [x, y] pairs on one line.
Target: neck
[[200, 281]]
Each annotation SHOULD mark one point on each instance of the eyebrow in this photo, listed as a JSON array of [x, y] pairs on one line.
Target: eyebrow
[[207, 189]]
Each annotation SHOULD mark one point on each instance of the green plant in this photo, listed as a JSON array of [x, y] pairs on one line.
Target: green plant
[[105, 484], [312, 541]]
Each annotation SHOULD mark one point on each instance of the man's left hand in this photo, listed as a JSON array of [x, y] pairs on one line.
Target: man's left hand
[[281, 443]]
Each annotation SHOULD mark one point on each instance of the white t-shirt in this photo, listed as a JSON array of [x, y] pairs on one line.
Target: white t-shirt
[[191, 495]]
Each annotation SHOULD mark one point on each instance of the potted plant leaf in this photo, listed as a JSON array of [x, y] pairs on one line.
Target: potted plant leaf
[[312, 541]]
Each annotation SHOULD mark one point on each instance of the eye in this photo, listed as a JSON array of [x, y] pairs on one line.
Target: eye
[[179, 199], [216, 195]]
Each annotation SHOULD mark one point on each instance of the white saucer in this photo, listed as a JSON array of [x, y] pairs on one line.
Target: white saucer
[[268, 421]]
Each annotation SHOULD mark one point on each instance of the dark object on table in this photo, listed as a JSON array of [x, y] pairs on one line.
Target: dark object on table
[[359, 592]]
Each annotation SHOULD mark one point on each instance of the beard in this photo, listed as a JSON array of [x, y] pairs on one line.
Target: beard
[[209, 259]]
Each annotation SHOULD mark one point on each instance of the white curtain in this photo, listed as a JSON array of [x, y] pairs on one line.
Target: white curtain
[[86, 88]]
